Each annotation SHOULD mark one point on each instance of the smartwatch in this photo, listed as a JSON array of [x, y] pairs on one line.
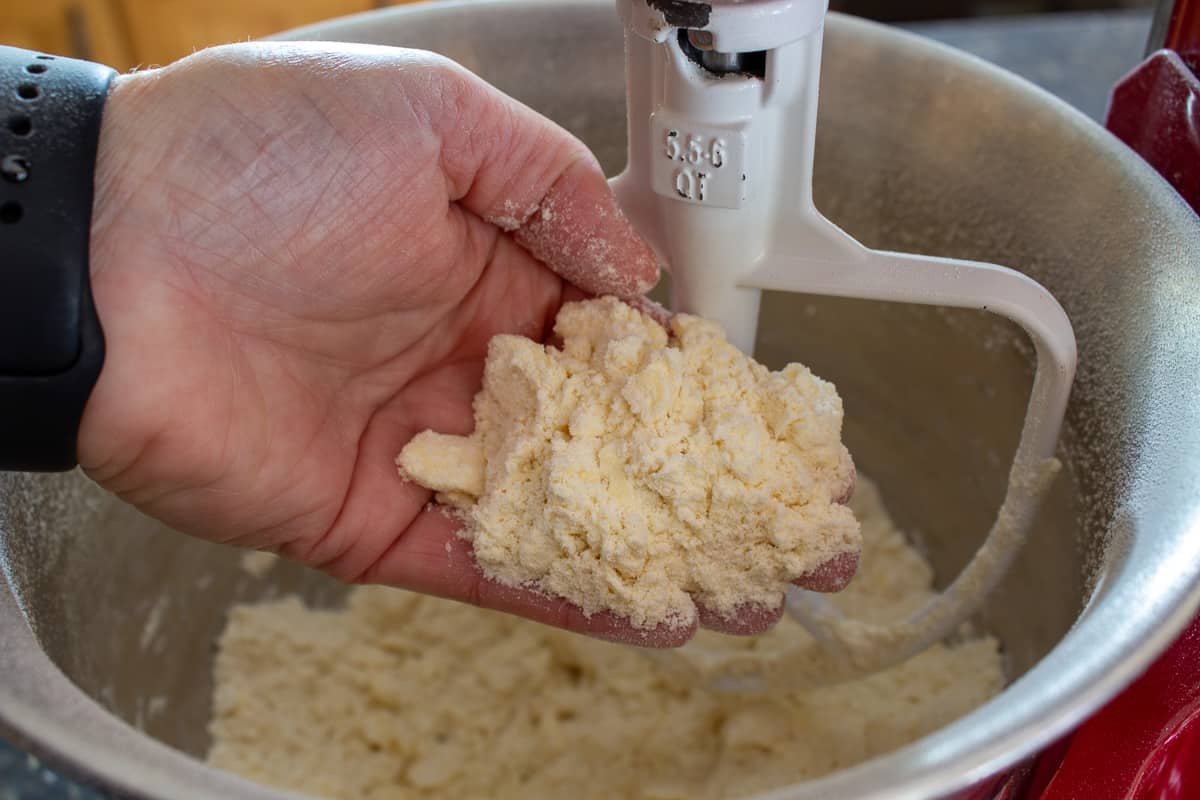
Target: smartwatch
[[51, 344]]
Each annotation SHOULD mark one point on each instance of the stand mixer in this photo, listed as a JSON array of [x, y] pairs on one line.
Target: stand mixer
[[722, 111]]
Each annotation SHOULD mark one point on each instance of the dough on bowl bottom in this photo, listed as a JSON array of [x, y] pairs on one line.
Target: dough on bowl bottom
[[401, 696]]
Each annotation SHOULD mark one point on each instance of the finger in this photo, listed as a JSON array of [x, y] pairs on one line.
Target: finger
[[848, 492], [521, 172], [430, 558], [579, 232], [747, 620], [832, 576]]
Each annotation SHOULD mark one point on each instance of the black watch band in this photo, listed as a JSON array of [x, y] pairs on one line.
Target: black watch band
[[51, 344]]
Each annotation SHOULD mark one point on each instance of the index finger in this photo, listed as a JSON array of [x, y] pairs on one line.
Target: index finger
[[523, 173]]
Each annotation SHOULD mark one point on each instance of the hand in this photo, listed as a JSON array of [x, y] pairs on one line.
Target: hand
[[299, 254]]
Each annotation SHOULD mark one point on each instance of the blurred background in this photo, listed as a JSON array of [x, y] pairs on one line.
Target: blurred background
[[914, 10], [129, 33]]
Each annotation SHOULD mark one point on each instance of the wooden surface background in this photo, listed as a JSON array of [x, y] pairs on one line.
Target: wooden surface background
[[132, 33]]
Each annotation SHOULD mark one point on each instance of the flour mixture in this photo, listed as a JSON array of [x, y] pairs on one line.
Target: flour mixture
[[402, 696], [638, 471]]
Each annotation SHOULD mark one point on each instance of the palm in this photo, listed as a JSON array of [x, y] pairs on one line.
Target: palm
[[332, 328]]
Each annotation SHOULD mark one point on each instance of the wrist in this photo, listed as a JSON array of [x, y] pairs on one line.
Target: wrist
[[111, 178], [115, 243]]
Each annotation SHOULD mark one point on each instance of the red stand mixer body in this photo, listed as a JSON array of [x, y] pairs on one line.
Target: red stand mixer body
[[1156, 108]]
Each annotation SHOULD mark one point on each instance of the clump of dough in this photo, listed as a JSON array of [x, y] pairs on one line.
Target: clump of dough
[[641, 473]]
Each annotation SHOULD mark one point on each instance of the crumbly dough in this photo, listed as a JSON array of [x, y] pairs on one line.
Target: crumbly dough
[[401, 696], [258, 563], [635, 471]]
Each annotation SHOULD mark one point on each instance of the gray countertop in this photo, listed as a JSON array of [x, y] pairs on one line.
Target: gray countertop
[[1075, 56]]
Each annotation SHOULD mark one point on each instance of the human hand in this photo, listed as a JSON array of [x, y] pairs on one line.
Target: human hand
[[299, 254]]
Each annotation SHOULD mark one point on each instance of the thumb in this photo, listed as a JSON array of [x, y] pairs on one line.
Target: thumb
[[521, 172]]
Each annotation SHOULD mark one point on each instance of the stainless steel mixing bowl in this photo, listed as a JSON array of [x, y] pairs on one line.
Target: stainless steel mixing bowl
[[108, 620]]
